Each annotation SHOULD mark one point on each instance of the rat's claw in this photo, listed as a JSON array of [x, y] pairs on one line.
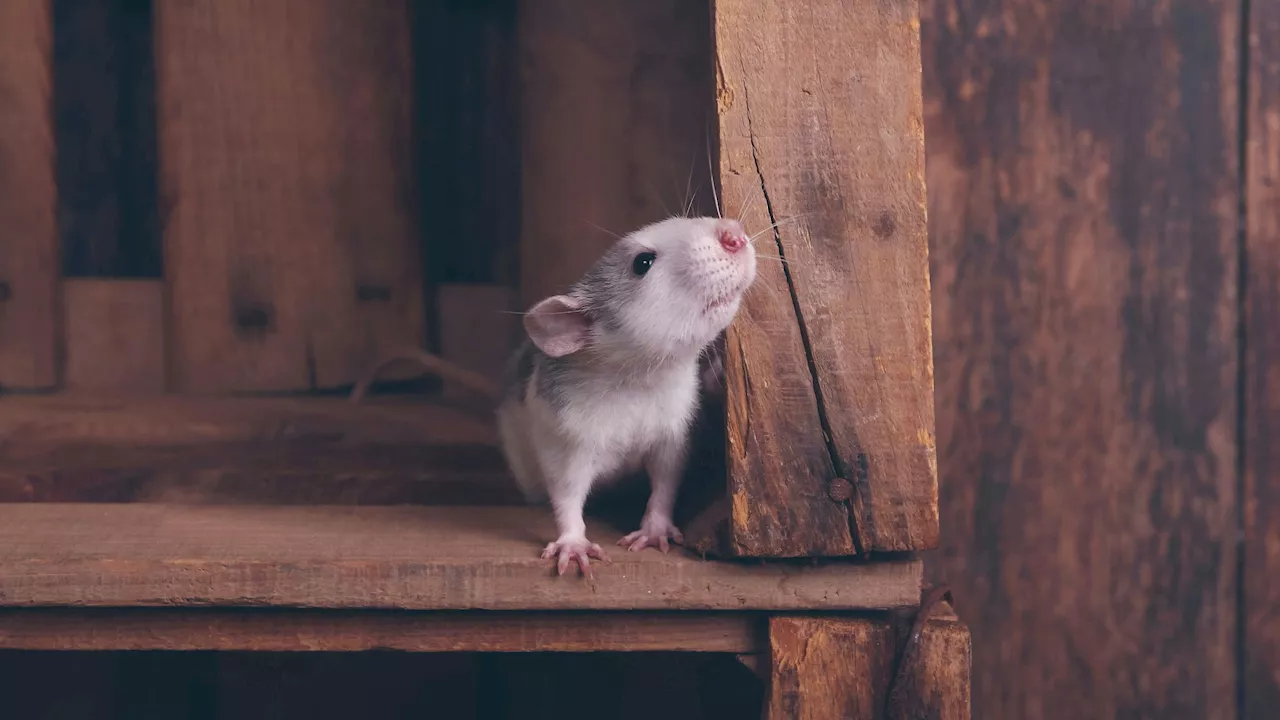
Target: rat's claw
[[654, 533], [569, 551]]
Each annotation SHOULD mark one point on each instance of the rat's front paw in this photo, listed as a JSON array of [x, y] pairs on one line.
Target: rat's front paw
[[570, 550], [653, 532]]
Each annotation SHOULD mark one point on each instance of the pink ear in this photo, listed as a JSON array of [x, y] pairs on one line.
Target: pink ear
[[557, 326]]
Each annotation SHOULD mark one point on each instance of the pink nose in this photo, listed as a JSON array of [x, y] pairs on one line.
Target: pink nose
[[732, 240]]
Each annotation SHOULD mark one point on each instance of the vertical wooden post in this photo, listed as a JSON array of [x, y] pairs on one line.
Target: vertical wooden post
[[611, 127], [843, 668], [290, 244], [1261, 619], [28, 198], [829, 366]]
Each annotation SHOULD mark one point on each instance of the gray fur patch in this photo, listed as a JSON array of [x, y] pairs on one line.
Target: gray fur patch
[[519, 370]]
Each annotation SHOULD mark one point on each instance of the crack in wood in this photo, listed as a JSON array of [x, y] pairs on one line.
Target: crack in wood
[[840, 467]]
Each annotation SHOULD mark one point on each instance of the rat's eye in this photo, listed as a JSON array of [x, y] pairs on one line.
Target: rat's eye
[[643, 262]]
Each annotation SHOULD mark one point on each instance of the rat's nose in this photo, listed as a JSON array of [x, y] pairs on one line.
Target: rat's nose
[[732, 239]]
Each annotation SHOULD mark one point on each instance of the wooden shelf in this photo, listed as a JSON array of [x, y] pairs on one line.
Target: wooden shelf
[[272, 630], [416, 558], [247, 450]]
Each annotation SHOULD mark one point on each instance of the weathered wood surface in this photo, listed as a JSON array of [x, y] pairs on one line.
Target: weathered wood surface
[[1262, 368], [829, 365], [290, 237], [843, 668], [1083, 206], [479, 329], [416, 558], [28, 198], [613, 127], [262, 450], [113, 334], [226, 630]]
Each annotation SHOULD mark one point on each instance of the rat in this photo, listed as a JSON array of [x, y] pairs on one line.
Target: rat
[[606, 381]]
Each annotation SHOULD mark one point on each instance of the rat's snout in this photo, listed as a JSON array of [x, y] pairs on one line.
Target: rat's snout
[[731, 236]]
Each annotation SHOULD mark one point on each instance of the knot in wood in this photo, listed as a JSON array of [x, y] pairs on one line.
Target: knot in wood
[[6, 292], [840, 490]]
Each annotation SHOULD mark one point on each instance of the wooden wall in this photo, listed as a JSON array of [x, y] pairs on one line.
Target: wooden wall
[[1107, 340], [1090, 283]]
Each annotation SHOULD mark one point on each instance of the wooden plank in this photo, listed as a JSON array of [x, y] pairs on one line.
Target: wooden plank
[[46, 425], [290, 242], [424, 558], [113, 331], [226, 630], [479, 329], [1261, 458], [1083, 161], [28, 198], [615, 110], [820, 110], [291, 451], [827, 668]]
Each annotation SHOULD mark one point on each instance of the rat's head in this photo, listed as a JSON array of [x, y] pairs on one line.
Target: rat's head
[[665, 290]]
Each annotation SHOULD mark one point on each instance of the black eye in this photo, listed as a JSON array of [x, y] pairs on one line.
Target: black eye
[[643, 262]]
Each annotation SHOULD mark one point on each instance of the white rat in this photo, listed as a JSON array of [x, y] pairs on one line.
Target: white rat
[[607, 381]]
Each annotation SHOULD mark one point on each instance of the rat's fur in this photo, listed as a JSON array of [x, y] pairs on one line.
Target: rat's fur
[[607, 382]]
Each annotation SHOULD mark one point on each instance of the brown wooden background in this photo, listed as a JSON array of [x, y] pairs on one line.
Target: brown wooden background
[[1106, 324], [1105, 245]]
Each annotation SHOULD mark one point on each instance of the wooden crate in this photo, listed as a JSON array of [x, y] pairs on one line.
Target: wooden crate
[[255, 200]]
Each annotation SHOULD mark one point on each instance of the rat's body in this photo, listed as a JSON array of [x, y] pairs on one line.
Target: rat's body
[[607, 381]]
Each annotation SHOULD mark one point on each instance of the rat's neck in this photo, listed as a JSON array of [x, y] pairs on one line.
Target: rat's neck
[[628, 365]]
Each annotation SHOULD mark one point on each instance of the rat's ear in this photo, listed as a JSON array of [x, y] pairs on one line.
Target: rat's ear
[[557, 325]]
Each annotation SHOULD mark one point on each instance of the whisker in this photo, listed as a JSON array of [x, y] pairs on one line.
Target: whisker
[[689, 194], [778, 224], [711, 173], [606, 232], [518, 312], [658, 196]]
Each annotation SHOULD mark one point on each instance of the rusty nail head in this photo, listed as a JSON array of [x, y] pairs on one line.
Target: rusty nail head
[[840, 490]]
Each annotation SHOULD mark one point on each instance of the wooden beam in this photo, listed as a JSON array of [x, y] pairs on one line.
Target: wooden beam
[[615, 114], [844, 668], [244, 451], [28, 198], [829, 365], [290, 245], [410, 558], [252, 630], [1262, 368], [1084, 207], [114, 336]]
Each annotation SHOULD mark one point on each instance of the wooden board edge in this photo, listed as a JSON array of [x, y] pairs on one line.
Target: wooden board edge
[[210, 629]]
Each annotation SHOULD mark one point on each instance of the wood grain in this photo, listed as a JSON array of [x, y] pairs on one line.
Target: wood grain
[[113, 332], [615, 114], [225, 630], [478, 330], [1262, 368], [238, 451], [290, 240], [28, 198], [843, 667], [425, 558], [1083, 209], [820, 122]]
